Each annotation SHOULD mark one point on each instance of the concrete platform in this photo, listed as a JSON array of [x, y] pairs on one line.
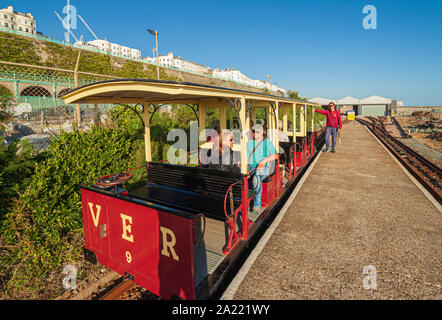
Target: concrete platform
[[356, 208]]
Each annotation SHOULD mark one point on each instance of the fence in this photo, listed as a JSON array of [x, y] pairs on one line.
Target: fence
[[92, 49], [434, 112], [34, 91]]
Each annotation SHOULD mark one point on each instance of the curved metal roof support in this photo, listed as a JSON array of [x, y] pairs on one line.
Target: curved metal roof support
[[136, 112], [195, 109], [156, 108], [148, 116], [234, 104]]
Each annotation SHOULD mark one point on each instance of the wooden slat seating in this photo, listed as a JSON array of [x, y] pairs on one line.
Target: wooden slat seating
[[287, 156], [191, 189]]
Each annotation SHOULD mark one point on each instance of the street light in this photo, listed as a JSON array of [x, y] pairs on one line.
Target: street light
[[270, 82], [155, 33]]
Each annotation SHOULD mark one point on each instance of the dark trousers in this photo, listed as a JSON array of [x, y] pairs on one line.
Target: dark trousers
[[331, 132]]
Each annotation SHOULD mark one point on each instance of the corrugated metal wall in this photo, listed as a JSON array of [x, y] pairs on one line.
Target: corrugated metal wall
[[374, 110]]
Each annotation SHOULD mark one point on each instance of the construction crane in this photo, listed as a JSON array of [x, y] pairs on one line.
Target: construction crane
[[89, 28], [67, 27], [67, 24]]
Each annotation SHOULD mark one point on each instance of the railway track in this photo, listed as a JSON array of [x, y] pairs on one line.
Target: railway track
[[124, 288], [425, 171], [120, 290]]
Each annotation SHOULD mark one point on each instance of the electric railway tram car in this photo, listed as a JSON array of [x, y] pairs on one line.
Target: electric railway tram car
[[180, 234]]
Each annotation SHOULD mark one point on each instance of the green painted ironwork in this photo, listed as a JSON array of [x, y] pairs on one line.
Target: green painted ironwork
[[88, 48]]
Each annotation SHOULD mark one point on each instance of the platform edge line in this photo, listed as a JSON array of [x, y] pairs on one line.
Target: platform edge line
[[236, 282]]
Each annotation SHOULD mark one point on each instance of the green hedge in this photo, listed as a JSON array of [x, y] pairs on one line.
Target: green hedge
[[44, 228], [20, 49]]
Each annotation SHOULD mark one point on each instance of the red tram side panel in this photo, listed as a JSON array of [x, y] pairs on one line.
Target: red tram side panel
[[153, 246]]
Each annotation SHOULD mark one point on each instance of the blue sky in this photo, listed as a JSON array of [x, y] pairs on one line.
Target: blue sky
[[318, 46]]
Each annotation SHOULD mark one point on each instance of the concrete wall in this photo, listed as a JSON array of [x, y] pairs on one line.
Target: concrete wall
[[410, 110]]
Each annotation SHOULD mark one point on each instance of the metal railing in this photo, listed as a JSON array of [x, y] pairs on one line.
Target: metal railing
[[89, 48]]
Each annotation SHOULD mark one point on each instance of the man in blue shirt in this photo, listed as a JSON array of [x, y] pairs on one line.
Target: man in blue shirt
[[262, 156]]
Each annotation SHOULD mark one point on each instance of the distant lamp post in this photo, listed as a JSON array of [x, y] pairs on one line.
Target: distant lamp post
[[155, 33], [270, 82]]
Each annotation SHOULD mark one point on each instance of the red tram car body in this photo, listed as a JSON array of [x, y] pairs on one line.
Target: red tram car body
[[178, 236], [153, 246]]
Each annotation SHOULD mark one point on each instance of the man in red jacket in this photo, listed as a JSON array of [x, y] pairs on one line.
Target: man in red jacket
[[334, 125]]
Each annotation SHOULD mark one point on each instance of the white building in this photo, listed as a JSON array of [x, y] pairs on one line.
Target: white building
[[172, 61], [371, 106], [233, 75], [116, 49], [237, 76], [377, 106], [348, 104], [17, 21], [348, 101], [322, 101]]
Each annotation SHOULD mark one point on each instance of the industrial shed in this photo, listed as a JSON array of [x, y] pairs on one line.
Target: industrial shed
[[375, 106], [348, 104], [371, 106]]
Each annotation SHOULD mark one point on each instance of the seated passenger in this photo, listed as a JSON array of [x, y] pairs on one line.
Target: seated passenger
[[261, 156], [222, 154], [283, 137]]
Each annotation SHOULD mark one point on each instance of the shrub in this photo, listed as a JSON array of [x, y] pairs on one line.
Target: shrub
[[17, 165], [45, 227]]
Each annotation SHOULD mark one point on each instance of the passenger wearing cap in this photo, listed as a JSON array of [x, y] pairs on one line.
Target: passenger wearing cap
[[262, 156], [334, 125]]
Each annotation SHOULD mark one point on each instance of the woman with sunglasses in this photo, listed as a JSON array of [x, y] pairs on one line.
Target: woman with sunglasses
[[334, 125], [223, 147]]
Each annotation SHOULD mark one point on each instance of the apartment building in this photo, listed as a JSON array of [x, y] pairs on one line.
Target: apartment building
[[116, 49], [17, 21], [172, 61], [230, 74], [237, 76]]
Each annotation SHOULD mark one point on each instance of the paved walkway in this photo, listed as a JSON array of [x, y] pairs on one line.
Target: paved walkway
[[356, 208]]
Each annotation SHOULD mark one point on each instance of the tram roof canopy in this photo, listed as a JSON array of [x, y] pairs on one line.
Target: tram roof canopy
[[159, 91]]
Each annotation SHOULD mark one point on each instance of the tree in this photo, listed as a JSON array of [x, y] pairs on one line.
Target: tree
[[295, 95]]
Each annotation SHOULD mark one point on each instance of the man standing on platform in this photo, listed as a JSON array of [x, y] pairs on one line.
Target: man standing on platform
[[334, 125]]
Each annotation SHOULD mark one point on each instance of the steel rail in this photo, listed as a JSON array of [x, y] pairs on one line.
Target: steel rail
[[122, 288], [220, 283], [421, 158], [427, 173]]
